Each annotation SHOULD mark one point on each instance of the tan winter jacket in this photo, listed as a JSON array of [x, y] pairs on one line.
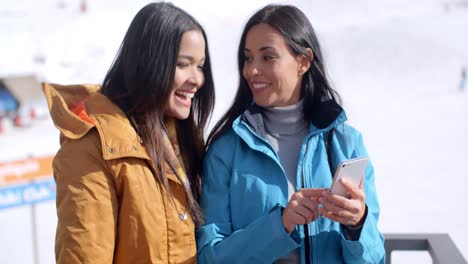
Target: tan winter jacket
[[110, 208]]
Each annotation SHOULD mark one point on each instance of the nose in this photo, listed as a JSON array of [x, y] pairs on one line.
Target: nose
[[197, 78], [251, 69]]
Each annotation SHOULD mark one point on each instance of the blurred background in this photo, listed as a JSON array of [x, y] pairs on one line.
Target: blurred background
[[397, 64]]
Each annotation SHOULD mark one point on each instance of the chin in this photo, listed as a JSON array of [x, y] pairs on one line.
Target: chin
[[262, 103], [182, 115]]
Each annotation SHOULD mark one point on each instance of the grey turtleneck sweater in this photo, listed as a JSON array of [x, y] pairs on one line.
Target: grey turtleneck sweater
[[286, 130]]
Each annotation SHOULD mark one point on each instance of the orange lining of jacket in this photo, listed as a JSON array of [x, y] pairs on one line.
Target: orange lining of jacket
[[79, 109]]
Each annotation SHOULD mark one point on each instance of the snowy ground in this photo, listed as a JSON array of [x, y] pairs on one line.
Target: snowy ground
[[396, 64]]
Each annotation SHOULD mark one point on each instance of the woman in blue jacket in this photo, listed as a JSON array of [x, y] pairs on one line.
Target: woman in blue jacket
[[267, 169]]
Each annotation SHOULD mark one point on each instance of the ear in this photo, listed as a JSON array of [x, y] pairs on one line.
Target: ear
[[305, 61]]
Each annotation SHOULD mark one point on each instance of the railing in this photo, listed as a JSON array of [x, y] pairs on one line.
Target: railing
[[440, 247]]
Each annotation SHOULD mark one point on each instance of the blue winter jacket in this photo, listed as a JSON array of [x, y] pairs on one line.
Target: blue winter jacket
[[245, 188]]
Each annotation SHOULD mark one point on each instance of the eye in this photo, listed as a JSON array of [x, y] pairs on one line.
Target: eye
[[182, 64], [201, 68], [268, 57], [247, 58]]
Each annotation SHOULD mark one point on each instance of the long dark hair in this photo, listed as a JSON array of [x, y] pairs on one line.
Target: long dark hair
[[140, 81], [299, 34]]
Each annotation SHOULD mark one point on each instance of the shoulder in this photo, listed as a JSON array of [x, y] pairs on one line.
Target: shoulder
[[227, 140], [223, 148], [79, 162], [349, 139], [90, 143], [76, 152], [345, 131]]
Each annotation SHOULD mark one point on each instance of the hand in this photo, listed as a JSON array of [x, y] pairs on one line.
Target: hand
[[347, 211], [302, 208]]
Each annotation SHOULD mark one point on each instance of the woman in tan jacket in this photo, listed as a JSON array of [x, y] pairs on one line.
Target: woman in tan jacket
[[128, 170]]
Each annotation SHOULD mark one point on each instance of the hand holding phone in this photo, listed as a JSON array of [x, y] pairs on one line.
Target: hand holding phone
[[302, 208], [353, 170]]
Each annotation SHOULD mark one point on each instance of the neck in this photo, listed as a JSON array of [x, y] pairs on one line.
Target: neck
[[285, 119]]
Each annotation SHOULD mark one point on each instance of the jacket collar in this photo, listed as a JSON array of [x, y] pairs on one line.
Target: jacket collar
[[326, 115]]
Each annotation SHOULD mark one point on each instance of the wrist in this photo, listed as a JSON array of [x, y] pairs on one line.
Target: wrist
[[362, 220]]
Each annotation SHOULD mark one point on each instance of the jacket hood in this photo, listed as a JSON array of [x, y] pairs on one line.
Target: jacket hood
[[76, 109]]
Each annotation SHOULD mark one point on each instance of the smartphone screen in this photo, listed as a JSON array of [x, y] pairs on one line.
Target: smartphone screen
[[353, 170]]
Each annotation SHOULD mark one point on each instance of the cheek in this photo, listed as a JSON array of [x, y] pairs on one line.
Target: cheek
[[244, 72], [178, 80], [280, 76], [287, 75], [202, 78]]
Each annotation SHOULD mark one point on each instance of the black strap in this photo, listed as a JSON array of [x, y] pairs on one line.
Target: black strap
[[307, 244], [328, 143]]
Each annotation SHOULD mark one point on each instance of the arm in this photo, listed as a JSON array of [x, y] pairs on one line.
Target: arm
[[369, 248], [86, 204], [262, 241]]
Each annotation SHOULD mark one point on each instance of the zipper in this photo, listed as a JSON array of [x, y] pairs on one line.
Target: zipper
[[307, 241]]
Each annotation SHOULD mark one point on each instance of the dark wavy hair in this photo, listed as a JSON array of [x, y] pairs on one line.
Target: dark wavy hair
[[299, 34], [140, 81]]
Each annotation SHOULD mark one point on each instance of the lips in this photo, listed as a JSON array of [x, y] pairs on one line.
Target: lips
[[184, 97], [258, 87]]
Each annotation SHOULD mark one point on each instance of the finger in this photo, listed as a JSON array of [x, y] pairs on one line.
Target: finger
[[296, 196], [353, 206], [332, 216], [305, 212], [354, 209], [339, 201], [291, 217], [316, 213], [353, 190], [312, 192], [328, 205], [297, 218], [342, 215], [310, 204]]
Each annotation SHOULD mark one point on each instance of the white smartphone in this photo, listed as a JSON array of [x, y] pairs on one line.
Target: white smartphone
[[353, 170]]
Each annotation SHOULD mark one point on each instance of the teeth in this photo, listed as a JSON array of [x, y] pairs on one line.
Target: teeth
[[259, 85], [188, 95]]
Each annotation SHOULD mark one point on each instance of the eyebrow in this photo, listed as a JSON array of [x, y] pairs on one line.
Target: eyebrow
[[188, 57], [262, 48]]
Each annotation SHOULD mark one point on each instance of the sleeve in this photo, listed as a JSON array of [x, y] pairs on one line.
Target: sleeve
[[369, 248], [353, 233], [262, 241], [86, 205]]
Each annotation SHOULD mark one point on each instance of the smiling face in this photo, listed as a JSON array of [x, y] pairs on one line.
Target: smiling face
[[189, 75], [272, 70]]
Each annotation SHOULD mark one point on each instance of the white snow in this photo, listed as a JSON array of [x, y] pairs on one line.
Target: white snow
[[396, 64]]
